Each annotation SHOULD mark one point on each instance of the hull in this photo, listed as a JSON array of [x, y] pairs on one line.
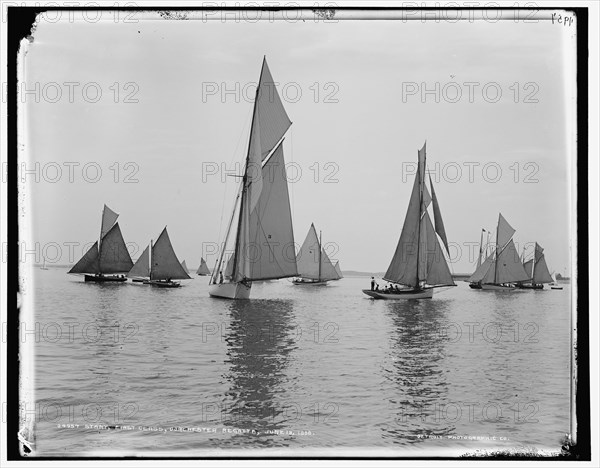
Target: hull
[[497, 287], [230, 290], [139, 280], [104, 279], [203, 274], [530, 286], [410, 294], [309, 283], [555, 286], [163, 284]]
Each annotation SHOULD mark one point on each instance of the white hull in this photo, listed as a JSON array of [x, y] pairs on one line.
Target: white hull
[[422, 294], [230, 290]]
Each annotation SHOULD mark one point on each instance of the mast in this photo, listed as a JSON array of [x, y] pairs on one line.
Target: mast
[[533, 265], [245, 177], [496, 252], [219, 263], [320, 254], [480, 248], [420, 176], [150, 260]]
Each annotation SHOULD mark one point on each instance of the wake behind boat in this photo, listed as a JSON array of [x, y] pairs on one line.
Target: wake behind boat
[[419, 264], [314, 266], [109, 255], [264, 237]]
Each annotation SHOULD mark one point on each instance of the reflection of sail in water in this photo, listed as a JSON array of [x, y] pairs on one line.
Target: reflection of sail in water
[[259, 341], [416, 370]]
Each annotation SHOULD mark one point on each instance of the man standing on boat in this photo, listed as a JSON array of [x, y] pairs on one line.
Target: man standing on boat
[[373, 283]]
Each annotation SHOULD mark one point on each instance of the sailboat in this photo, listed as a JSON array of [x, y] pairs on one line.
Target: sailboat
[[555, 284], [338, 271], [109, 255], [314, 266], [44, 267], [263, 246], [502, 268], [537, 270], [418, 265], [184, 266], [203, 268], [158, 265]]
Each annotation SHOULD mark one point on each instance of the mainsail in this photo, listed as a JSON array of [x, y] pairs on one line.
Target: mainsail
[[419, 258], [203, 268], [537, 269], [164, 263], [110, 253]]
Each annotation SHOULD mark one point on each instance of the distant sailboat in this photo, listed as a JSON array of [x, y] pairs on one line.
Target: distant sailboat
[[314, 266], [418, 264], [184, 266], [109, 255], [537, 270], [338, 271], [264, 240], [203, 268], [44, 267], [158, 265], [502, 268], [555, 284]]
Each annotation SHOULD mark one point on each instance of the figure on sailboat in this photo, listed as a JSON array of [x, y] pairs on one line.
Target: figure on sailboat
[[203, 268], [109, 255], [158, 265], [537, 270], [264, 242], [419, 264], [314, 266], [502, 268]]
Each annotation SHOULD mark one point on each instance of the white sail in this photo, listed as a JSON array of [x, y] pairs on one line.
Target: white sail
[[504, 232], [338, 270], [437, 217], [184, 266], [164, 263], [114, 256], [328, 272], [308, 256], [266, 243], [438, 273], [542, 274], [528, 267], [141, 268], [229, 268], [203, 268]]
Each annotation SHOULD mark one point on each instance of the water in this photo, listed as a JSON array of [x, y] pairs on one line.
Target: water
[[297, 367]]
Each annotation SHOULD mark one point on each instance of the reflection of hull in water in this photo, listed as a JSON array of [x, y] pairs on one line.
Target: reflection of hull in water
[[426, 293], [230, 290], [308, 282], [104, 279]]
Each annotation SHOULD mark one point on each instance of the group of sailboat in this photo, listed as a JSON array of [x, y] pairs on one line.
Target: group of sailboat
[[503, 270], [108, 260], [314, 265]]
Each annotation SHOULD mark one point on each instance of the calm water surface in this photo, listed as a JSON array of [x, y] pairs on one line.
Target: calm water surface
[[131, 369]]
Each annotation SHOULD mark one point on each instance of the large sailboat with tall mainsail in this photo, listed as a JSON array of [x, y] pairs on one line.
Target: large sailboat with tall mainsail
[[314, 266], [537, 270], [203, 268], [502, 268], [419, 264], [108, 255], [158, 265], [263, 245]]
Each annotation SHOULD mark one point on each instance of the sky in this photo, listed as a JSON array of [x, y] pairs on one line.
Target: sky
[[174, 114]]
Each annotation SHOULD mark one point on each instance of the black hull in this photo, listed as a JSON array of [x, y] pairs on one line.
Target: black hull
[[530, 286], [163, 284], [104, 279], [475, 285]]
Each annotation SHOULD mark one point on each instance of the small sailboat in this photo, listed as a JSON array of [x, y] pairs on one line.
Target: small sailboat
[[338, 271], [203, 268], [44, 267], [537, 270], [109, 255], [555, 284], [314, 266], [264, 242], [502, 269], [158, 265], [418, 265]]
